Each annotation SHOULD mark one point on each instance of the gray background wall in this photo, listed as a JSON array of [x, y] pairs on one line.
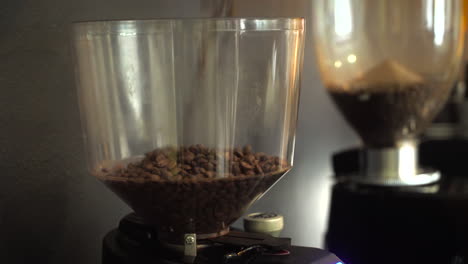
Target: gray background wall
[[51, 210]]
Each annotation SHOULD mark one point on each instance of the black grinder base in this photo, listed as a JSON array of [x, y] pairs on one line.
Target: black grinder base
[[134, 242], [424, 224]]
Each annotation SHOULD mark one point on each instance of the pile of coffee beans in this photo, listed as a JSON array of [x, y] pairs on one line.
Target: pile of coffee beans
[[198, 161], [194, 189]]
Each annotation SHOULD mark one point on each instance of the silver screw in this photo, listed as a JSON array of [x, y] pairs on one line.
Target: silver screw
[[189, 240]]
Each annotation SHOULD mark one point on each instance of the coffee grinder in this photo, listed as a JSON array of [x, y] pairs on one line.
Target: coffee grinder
[[190, 121], [389, 66]]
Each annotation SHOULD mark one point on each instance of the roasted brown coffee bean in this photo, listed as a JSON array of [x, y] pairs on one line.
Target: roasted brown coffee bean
[[166, 174], [236, 169], [172, 164], [162, 163], [266, 167], [247, 149], [208, 166], [258, 169], [246, 165], [202, 160], [177, 178], [155, 177], [238, 153], [250, 158], [193, 149], [189, 156], [250, 172], [263, 157], [210, 174], [175, 171]]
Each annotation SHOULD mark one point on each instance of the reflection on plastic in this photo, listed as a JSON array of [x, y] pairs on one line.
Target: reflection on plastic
[[343, 19]]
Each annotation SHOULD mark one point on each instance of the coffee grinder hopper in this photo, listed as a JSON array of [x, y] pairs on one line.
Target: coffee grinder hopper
[[189, 121], [389, 72]]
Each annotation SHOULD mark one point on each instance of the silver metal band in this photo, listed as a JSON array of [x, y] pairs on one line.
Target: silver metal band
[[394, 167]]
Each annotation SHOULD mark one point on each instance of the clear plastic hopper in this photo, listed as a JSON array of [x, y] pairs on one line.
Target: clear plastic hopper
[[189, 121]]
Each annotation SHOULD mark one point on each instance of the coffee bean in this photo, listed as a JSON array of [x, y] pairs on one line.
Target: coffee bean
[[238, 153], [175, 171], [236, 169], [246, 165], [250, 158], [277, 160], [258, 169], [166, 174], [162, 162], [193, 149], [266, 167], [172, 164], [247, 149], [189, 156], [184, 173], [202, 160], [262, 156], [209, 166], [177, 178]]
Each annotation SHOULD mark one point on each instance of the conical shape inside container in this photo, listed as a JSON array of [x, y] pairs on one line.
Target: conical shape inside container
[[389, 103], [189, 121]]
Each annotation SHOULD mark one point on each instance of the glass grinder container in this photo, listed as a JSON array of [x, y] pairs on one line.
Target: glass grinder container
[[389, 66], [189, 121]]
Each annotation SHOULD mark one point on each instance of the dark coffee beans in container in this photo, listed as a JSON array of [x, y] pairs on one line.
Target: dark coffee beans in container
[[193, 189], [389, 103]]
